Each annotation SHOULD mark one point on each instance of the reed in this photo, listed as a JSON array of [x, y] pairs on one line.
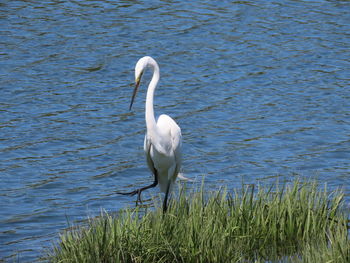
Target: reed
[[298, 222]]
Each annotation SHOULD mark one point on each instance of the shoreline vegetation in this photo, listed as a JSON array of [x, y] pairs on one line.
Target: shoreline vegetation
[[295, 222]]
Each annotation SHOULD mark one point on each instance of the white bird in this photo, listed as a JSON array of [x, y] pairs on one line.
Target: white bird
[[162, 144]]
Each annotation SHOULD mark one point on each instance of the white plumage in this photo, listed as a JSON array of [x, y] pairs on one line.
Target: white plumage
[[162, 142]]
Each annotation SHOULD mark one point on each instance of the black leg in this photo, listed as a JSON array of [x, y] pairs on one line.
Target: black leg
[[138, 191], [165, 207]]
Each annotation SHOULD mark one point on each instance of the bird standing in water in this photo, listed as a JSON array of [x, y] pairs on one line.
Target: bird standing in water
[[162, 144]]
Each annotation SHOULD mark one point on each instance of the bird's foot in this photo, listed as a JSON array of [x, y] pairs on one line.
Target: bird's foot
[[132, 193]]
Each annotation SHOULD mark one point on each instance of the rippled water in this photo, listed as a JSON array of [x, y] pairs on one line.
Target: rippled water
[[259, 88]]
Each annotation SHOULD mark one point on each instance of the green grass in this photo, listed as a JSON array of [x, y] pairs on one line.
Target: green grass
[[293, 223]]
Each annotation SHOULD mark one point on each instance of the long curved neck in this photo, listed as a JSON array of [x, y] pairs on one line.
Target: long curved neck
[[149, 113]]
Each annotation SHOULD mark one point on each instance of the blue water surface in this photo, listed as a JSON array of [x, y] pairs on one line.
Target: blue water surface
[[260, 89]]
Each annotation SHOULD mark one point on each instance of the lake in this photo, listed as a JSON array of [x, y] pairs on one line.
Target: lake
[[260, 90]]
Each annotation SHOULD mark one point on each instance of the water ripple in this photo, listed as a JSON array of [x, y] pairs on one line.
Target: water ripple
[[260, 91]]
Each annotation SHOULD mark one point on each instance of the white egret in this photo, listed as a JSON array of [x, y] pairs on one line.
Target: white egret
[[162, 144]]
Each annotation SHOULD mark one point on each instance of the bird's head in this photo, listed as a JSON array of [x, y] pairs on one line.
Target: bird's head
[[140, 67]]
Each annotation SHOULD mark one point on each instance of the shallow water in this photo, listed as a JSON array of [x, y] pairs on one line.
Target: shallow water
[[260, 90]]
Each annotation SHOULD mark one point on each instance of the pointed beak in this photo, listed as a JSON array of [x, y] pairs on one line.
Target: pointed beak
[[138, 80]]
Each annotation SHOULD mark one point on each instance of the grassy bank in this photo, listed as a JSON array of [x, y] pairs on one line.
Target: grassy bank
[[294, 223]]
